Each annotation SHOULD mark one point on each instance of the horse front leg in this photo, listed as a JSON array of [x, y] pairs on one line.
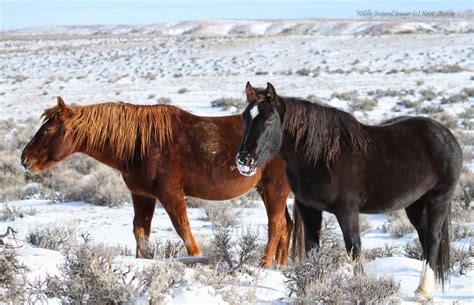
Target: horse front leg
[[349, 223], [144, 207], [174, 204]]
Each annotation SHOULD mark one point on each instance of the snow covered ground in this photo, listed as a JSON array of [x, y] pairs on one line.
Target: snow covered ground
[[194, 63], [113, 226]]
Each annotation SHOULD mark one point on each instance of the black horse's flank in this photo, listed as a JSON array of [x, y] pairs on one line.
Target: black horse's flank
[[336, 164]]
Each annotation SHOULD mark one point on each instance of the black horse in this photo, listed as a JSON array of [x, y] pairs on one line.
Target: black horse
[[336, 164]]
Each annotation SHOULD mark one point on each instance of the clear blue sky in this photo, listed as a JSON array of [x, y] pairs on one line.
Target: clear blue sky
[[27, 13]]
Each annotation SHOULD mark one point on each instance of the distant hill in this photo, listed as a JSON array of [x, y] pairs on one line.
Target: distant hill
[[462, 23]]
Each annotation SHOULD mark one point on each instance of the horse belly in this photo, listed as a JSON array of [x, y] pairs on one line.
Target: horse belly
[[388, 197], [219, 184]]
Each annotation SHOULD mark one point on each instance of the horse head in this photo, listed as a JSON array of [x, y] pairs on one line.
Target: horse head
[[50, 144]]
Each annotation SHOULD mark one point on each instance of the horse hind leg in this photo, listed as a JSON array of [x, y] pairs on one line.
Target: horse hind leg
[[416, 213], [312, 221], [349, 223], [284, 243], [275, 203], [436, 243]]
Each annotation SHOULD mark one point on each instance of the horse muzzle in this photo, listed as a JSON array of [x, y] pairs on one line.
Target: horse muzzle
[[246, 165], [26, 164]]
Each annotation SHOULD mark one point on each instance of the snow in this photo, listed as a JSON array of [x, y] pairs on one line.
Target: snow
[[114, 226], [407, 272]]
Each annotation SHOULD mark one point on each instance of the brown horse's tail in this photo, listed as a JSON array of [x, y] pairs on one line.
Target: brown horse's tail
[[297, 236], [443, 262]]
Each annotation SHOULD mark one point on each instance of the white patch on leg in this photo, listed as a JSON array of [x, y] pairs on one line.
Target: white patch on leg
[[254, 111], [427, 283]]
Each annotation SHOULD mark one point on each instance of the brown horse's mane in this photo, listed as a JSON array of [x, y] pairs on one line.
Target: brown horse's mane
[[128, 128], [322, 129]]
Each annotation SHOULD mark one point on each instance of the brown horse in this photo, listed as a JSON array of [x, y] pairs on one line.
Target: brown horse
[[164, 153]]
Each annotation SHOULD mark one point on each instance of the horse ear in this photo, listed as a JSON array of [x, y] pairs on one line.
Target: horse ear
[[250, 92], [61, 103], [271, 92], [64, 110]]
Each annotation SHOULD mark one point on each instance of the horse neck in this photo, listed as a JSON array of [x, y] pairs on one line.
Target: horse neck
[[104, 155], [288, 151]]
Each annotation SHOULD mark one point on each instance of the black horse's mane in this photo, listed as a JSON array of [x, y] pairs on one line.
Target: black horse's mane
[[322, 129]]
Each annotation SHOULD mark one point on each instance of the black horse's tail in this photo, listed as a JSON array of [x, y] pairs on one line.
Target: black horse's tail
[[297, 237], [443, 263]]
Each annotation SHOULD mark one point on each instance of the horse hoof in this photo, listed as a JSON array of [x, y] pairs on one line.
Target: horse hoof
[[265, 265], [422, 296]]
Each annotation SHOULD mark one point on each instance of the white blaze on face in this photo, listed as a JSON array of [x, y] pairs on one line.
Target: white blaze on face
[[254, 112]]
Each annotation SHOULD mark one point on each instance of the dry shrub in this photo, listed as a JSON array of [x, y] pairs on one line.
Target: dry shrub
[[227, 103], [194, 203], [460, 231], [446, 119], [11, 177], [9, 213], [413, 250], [467, 118], [346, 289], [345, 96], [464, 195], [214, 276], [457, 98], [314, 99], [443, 69], [398, 224], [249, 200], [363, 104], [469, 91], [13, 280], [89, 275], [156, 279], [407, 103], [82, 180], [462, 259], [235, 255], [462, 206], [388, 250], [158, 249], [221, 214], [308, 72], [427, 95], [430, 109], [324, 276], [53, 236]]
